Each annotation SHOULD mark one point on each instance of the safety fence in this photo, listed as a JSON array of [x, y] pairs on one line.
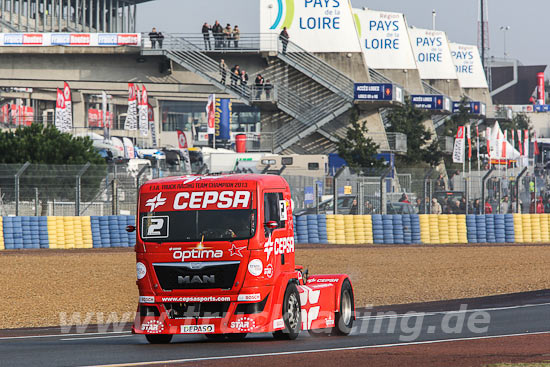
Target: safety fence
[[66, 232], [422, 229]]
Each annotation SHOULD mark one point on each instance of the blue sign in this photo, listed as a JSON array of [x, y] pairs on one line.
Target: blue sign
[[222, 119], [309, 195], [428, 102], [320, 187], [373, 92], [474, 108], [542, 108]]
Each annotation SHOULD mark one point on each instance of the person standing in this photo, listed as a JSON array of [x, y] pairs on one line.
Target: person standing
[[206, 35], [223, 71], [259, 83], [236, 36], [436, 207], [217, 32], [268, 87], [284, 37], [504, 205], [153, 37], [227, 35], [160, 39], [235, 75]]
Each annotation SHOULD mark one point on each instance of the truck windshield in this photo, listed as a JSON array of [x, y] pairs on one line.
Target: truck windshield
[[197, 225]]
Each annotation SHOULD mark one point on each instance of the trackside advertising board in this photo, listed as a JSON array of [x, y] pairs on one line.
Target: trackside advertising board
[[468, 66], [384, 39], [70, 39], [432, 54], [315, 25]]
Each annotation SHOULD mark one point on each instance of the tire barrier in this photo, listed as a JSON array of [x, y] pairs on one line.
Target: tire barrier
[[2, 246]]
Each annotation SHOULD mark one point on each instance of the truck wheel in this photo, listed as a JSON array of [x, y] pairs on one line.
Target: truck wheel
[[292, 315], [344, 318], [158, 338]]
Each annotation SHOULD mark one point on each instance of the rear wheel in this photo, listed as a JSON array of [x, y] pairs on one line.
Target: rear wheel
[[159, 338], [344, 317], [292, 315]]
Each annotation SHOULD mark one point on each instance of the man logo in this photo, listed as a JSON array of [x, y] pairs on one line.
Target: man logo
[[156, 202], [197, 279]]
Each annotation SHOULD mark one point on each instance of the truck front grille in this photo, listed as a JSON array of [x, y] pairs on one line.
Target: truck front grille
[[197, 275]]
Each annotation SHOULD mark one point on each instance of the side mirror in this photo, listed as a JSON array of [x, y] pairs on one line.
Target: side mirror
[[130, 229], [272, 224]]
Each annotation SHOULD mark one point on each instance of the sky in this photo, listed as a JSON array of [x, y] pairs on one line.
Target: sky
[[526, 39]]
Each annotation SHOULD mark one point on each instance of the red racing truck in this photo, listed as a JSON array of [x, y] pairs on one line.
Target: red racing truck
[[215, 256]]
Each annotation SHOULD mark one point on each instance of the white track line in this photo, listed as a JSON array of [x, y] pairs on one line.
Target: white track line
[[447, 312], [61, 335], [311, 351], [98, 337]]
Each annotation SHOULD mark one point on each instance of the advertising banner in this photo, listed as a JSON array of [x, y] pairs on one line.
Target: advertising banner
[[182, 141], [129, 151], [432, 54], [95, 118], [315, 25], [384, 39], [211, 114], [59, 111], [5, 114], [458, 150], [68, 110], [144, 113], [131, 117], [70, 39], [118, 145], [223, 119], [468, 66], [151, 116]]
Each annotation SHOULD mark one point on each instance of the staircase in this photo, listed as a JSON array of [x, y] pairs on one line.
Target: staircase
[[191, 57]]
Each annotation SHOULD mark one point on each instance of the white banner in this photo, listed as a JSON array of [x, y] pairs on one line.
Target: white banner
[[129, 151], [151, 115], [68, 110], [70, 39], [384, 39], [458, 150], [432, 54], [143, 112], [118, 145], [315, 25], [468, 66], [131, 117], [60, 112]]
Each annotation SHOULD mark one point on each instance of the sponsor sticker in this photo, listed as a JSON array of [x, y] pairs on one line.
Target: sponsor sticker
[[198, 329], [153, 327], [60, 39], [278, 324], [107, 39], [141, 270], [255, 267], [32, 39], [127, 39], [146, 299], [80, 39], [243, 324], [323, 280], [249, 297], [268, 271]]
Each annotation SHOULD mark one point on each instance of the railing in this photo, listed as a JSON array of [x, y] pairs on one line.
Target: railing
[[428, 89]]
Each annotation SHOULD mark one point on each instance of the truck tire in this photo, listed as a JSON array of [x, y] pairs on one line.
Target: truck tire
[[344, 318], [159, 338], [292, 315]]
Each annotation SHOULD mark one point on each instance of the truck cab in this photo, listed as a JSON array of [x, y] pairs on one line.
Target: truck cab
[[215, 256]]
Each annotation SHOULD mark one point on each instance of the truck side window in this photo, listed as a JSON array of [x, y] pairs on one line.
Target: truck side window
[[272, 208]]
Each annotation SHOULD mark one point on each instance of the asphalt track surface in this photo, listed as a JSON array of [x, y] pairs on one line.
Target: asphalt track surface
[[414, 324]]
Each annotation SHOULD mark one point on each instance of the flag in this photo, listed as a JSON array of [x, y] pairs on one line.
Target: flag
[[67, 110], [504, 142], [118, 145], [526, 143], [151, 116], [477, 142], [144, 113], [104, 115], [129, 151], [131, 117], [468, 135], [520, 144], [513, 142], [182, 141], [211, 113], [458, 150], [535, 144], [59, 109], [488, 137]]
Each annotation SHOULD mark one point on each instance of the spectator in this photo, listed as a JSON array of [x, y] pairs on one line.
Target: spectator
[[368, 208], [160, 39], [477, 207], [547, 206], [206, 35], [235, 75], [259, 83], [217, 32], [540, 206], [436, 207], [419, 206], [353, 209], [440, 183], [404, 199], [488, 208], [153, 37], [504, 205], [244, 78], [455, 175], [223, 71], [284, 37], [236, 36], [227, 35], [268, 87], [462, 204]]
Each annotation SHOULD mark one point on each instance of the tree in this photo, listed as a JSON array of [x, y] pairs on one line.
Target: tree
[[460, 118], [357, 149], [520, 121], [56, 160], [409, 120]]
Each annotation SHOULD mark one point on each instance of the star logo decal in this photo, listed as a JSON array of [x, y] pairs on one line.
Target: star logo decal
[[236, 251], [268, 247], [156, 202]]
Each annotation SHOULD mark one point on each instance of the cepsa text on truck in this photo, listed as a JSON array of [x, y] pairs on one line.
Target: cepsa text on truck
[[215, 256]]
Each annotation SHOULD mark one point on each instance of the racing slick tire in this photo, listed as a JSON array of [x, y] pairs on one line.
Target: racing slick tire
[[344, 318], [159, 338], [292, 315]]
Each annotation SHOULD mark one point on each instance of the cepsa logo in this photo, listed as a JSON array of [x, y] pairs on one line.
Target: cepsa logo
[[279, 246], [212, 200]]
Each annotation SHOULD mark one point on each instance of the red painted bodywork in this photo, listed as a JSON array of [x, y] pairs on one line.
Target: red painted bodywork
[[320, 297]]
